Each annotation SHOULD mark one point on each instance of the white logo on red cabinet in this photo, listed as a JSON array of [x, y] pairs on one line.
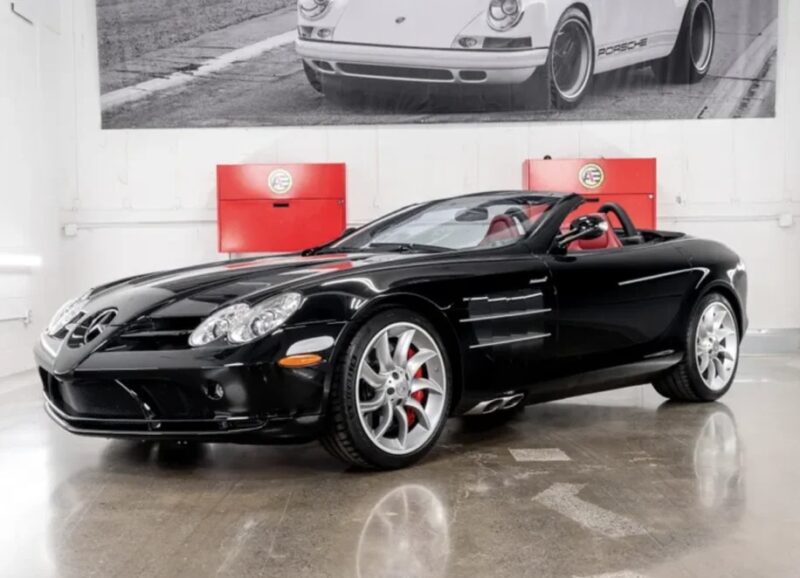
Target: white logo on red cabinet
[[280, 181], [592, 176]]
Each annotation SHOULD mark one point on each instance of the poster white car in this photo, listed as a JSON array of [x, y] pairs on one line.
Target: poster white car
[[555, 46], [226, 63]]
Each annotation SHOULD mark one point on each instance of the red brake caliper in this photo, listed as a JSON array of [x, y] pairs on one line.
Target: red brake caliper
[[420, 396]]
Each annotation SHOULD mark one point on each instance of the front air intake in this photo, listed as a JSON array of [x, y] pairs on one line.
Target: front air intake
[[397, 72]]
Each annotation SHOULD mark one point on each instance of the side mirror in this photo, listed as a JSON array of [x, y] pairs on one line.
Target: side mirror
[[587, 227]]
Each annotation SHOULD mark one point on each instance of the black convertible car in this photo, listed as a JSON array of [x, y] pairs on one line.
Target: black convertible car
[[475, 305]]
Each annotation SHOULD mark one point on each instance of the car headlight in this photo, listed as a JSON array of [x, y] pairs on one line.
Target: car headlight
[[242, 323], [504, 14], [313, 9], [218, 325], [66, 314]]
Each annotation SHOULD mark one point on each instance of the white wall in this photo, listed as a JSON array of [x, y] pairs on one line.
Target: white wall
[[31, 175], [733, 177]]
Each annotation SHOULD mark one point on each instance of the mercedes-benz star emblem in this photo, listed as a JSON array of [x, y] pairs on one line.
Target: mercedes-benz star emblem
[[99, 325]]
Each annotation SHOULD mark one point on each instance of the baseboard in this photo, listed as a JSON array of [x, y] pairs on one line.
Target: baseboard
[[771, 341]]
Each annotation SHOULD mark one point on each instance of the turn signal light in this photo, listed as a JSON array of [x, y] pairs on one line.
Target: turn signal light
[[295, 361]]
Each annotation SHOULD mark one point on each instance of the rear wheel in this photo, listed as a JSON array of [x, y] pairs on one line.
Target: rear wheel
[[712, 354], [390, 397], [566, 77], [691, 58]]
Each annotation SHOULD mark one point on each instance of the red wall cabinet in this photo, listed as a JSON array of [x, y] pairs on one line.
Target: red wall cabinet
[[276, 208], [630, 183]]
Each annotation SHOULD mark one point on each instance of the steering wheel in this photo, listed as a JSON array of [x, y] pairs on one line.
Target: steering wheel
[[631, 232]]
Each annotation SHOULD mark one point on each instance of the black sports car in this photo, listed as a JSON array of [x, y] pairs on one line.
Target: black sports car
[[475, 305]]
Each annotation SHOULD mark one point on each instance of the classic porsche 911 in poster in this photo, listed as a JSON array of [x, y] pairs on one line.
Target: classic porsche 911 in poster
[[331, 62]]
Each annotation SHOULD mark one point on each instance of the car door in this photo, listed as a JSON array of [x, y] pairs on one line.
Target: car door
[[633, 31], [507, 323], [616, 306], [613, 26]]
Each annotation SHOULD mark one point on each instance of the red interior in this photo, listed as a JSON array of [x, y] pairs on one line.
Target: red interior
[[502, 228], [607, 240]]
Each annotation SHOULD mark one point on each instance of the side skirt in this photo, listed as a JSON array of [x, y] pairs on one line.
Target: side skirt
[[618, 377]]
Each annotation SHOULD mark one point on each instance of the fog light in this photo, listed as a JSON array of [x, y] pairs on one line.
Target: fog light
[[467, 42], [215, 391], [324, 33]]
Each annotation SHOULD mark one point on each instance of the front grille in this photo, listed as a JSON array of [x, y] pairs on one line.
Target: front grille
[[167, 398], [130, 407], [399, 72], [154, 334], [93, 398], [132, 399]]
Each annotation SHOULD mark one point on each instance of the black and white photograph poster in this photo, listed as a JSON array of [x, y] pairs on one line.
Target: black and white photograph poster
[[227, 63]]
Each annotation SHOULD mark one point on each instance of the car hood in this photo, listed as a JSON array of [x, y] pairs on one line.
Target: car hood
[[198, 291], [413, 23]]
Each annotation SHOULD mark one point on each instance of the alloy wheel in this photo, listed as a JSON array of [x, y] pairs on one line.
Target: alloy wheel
[[401, 386], [572, 59], [716, 346]]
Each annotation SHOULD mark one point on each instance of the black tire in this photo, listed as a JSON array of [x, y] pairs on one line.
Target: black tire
[[542, 88], [685, 65], [313, 77], [344, 436], [684, 381]]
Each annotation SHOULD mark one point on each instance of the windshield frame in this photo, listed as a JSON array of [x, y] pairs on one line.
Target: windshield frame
[[375, 227]]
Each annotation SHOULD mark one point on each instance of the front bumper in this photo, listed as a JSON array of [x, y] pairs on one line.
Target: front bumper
[[180, 395], [438, 66]]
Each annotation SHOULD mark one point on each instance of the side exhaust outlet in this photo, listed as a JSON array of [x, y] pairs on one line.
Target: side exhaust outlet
[[497, 404]]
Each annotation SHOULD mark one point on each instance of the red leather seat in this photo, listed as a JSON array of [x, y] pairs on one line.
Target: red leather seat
[[502, 228], [607, 240]]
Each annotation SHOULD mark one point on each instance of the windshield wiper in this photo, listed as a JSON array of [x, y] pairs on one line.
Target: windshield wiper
[[325, 250], [407, 247]]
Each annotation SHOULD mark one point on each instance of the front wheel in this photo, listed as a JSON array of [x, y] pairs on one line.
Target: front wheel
[[390, 396], [566, 77], [712, 354]]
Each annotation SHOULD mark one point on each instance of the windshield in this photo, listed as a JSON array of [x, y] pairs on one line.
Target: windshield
[[461, 223]]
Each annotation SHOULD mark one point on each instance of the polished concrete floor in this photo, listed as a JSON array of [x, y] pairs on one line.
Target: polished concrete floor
[[615, 485]]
